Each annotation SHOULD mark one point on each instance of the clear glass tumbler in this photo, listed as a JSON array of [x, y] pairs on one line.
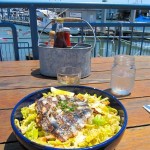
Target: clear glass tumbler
[[123, 74], [69, 75]]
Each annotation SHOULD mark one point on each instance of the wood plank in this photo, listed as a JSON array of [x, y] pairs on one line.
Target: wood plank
[[94, 67], [5, 127], [108, 65], [27, 81], [19, 64], [27, 71], [137, 116], [105, 76], [96, 73], [134, 138], [14, 96], [35, 63], [140, 89], [26, 68], [10, 98], [110, 59], [36, 80]]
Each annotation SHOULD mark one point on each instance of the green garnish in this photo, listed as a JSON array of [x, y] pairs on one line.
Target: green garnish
[[65, 106], [99, 120]]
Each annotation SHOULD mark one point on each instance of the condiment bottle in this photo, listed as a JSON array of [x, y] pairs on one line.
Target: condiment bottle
[[59, 39], [51, 35], [123, 74], [67, 36]]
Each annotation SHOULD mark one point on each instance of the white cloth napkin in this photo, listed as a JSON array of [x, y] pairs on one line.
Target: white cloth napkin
[[147, 107]]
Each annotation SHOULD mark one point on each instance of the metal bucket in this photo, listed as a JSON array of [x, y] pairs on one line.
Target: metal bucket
[[53, 58]]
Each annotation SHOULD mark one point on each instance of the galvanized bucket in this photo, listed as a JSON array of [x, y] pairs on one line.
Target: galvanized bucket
[[51, 59]]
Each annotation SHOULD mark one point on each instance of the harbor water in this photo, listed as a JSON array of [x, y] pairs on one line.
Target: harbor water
[[102, 48]]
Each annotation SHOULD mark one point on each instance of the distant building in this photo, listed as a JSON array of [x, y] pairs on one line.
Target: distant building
[[91, 15]]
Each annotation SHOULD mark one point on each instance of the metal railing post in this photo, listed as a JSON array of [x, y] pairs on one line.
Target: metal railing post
[[34, 33], [15, 38]]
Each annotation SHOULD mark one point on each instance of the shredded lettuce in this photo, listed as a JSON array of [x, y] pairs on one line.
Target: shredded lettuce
[[28, 124], [26, 111], [32, 134], [99, 120], [102, 125]]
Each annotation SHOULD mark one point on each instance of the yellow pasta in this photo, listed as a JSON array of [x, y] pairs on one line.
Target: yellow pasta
[[102, 125]]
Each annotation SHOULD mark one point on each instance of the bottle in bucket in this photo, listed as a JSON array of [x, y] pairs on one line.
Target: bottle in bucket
[[51, 36], [59, 39], [67, 36]]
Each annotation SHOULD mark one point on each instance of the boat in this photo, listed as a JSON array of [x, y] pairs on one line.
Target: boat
[[142, 18], [44, 17]]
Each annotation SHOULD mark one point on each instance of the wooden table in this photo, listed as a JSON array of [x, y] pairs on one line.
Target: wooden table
[[19, 78]]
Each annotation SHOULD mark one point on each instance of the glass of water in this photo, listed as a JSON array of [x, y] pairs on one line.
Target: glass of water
[[123, 74], [69, 75]]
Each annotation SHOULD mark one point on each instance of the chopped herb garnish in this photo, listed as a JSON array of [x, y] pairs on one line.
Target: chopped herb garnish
[[65, 106]]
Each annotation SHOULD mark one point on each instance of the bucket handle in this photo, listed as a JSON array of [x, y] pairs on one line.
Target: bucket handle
[[68, 19], [93, 35]]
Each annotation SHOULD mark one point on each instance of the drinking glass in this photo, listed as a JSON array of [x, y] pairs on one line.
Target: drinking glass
[[123, 74], [69, 75]]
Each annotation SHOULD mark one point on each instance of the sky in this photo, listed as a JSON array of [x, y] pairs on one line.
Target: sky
[[108, 1]]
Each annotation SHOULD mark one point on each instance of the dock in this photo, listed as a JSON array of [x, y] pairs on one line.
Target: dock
[[135, 32], [18, 22]]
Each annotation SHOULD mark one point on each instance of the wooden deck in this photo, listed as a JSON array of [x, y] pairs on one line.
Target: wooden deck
[[19, 78]]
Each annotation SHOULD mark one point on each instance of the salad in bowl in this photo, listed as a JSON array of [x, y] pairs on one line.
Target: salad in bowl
[[69, 117]]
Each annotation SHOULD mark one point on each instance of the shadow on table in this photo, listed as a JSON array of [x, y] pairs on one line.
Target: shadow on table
[[13, 144], [36, 73]]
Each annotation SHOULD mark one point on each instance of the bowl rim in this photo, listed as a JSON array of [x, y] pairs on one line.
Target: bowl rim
[[103, 144]]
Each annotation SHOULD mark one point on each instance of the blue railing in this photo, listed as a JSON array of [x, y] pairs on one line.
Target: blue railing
[[115, 32], [7, 51], [116, 37], [15, 40]]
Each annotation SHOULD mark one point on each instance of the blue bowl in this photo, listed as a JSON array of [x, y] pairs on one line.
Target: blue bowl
[[109, 144]]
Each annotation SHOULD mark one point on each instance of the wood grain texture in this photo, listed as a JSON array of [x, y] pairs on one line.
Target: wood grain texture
[[20, 78], [15, 93], [135, 139], [132, 140], [134, 110], [140, 89], [37, 80], [32, 67]]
